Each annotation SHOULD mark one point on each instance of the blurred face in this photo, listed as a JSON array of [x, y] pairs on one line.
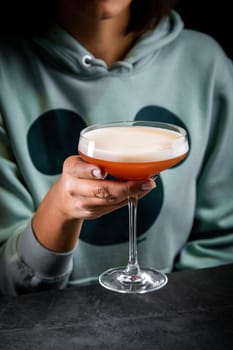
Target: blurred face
[[96, 9]]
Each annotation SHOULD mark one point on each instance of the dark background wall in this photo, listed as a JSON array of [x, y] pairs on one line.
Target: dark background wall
[[211, 17]]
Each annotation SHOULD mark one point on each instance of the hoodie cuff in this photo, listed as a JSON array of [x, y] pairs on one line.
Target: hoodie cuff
[[41, 260]]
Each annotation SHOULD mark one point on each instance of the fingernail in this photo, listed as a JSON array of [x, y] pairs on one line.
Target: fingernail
[[97, 173], [148, 185]]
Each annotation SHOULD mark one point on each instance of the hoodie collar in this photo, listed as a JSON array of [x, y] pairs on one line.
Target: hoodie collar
[[61, 49]]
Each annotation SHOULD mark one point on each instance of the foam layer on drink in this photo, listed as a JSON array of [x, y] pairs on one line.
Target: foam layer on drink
[[133, 144]]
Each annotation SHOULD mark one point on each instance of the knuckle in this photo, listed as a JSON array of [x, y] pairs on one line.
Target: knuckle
[[69, 162], [80, 206], [84, 211], [67, 185], [88, 214], [74, 166], [101, 192], [91, 214]]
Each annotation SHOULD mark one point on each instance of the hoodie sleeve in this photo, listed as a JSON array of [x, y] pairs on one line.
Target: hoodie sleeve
[[25, 265], [211, 241]]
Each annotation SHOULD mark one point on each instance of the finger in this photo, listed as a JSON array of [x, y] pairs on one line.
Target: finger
[[109, 191], [92, 208], [93, 212], [75, 166]]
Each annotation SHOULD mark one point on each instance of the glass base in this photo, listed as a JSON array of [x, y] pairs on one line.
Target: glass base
[[117, 280]]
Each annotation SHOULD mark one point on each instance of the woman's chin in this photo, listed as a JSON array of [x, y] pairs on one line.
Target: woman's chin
[[106, 9]]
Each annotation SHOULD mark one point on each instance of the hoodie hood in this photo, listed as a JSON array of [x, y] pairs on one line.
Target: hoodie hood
[[64, 51]]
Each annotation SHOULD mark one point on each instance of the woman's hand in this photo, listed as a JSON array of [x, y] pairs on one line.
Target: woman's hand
[[82, 192], [88, 195]]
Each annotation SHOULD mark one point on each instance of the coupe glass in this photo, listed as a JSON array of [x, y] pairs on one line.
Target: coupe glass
[[133, 150]]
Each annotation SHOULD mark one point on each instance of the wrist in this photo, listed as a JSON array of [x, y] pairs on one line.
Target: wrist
[[55, 230]]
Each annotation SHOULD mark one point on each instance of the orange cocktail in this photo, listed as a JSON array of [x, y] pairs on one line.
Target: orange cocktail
[[133, 152]]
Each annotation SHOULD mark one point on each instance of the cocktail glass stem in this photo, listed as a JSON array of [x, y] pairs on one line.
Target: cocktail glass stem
[[132, 278], [132, 271]]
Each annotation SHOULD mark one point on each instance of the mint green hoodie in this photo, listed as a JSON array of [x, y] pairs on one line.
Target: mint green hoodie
[[51, 87]]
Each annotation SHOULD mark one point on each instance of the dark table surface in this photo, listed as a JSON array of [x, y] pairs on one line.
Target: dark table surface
[[193, 311]]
